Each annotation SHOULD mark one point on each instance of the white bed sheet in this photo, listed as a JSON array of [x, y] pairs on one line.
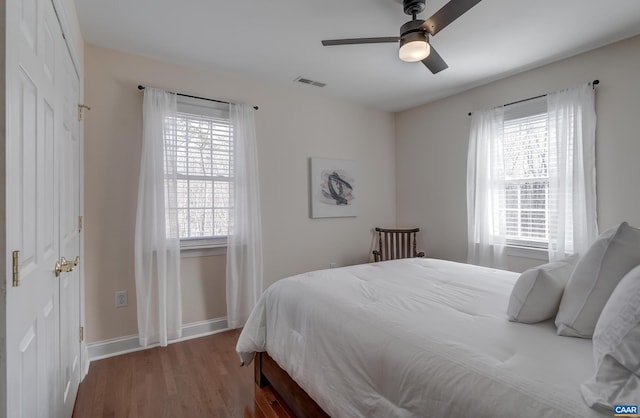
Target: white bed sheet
[[417, 338]]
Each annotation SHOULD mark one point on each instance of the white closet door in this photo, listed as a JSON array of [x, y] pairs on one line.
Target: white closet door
[[69, 238], [37, 80]]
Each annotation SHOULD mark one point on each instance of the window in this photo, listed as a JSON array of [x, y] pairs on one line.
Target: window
[[531, 178], [204, 172], [523, 180]]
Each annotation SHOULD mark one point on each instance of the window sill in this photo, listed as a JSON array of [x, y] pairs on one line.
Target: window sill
[[203, 247], [203, 251], [527, 252]]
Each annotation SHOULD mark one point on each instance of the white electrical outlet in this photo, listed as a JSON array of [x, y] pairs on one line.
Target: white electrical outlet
[[332, 265], [121, 299]]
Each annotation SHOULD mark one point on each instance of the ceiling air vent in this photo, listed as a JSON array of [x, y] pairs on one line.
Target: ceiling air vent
[[310, 82]]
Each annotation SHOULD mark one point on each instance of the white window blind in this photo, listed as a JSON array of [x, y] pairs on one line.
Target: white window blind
[[204, 172], [523, 180]]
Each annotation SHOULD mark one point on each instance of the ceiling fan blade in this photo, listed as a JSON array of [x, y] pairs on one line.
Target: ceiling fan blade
[[434, 62], [357, 41], [447, 14]]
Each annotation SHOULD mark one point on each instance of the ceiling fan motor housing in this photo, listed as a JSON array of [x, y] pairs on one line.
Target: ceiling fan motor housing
[[411, 27], [413, 7]]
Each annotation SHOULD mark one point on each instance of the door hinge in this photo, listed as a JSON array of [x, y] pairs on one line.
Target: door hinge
[[81, 109], [81, 334], [80, 223], [16, 268]]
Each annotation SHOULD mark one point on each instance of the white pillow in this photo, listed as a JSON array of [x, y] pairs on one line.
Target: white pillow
[[614, 253], [616, 348], [536, 295]]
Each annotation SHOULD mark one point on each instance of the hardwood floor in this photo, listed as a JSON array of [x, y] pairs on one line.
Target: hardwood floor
[[196, 378]]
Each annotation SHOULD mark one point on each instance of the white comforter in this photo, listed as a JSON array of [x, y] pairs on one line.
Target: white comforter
[[416, 338]]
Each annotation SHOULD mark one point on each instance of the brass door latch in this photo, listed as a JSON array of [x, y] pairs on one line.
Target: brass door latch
[[65, 266]]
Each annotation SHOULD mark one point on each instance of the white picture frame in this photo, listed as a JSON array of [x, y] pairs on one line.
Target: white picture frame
[[334, 188]]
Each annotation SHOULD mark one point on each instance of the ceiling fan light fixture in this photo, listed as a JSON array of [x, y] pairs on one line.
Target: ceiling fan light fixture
[[414, 47], [414, 34]]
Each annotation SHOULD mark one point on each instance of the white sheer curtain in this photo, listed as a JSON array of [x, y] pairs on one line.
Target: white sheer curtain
[[484, 169], [572, 181], [244, 248], [157, 241]]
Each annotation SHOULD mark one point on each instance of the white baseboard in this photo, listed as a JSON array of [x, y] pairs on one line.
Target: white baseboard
[[116, 346]]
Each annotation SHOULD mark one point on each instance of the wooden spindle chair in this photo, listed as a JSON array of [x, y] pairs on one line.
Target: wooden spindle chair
[[396, 243]]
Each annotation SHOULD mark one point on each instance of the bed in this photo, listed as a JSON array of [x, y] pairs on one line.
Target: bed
[[416, 338]]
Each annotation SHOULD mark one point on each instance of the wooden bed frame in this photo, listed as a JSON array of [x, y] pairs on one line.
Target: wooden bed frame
[[267, 372]]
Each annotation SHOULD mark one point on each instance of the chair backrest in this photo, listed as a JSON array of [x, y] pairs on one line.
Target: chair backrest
[[396, 243]]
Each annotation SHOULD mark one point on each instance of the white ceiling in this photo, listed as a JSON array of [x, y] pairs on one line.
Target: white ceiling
[[279, 40]]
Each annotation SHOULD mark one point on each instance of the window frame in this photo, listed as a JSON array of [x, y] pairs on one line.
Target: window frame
[[524, 247], [217, 244]]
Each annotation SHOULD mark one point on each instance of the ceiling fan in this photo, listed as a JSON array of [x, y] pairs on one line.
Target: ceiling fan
[[414, 35]]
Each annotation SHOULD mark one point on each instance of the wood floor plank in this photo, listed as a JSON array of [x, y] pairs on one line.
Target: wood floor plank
[[191, 379], [100, 389]]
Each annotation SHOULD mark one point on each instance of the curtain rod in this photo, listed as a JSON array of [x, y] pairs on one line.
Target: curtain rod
[[141, 87], [593, 84]]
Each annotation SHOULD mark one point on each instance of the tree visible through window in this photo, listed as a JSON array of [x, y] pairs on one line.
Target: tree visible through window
[[204, 172], [524, 204]]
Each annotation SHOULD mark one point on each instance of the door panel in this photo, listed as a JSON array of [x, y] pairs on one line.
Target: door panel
[[29, 22], [42, 92], [49, 48], [26, 209], [32, 212], [48, 165], [70, 238]]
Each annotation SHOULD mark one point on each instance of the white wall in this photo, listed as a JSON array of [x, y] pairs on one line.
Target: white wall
[[293, 124], [432, 144]]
